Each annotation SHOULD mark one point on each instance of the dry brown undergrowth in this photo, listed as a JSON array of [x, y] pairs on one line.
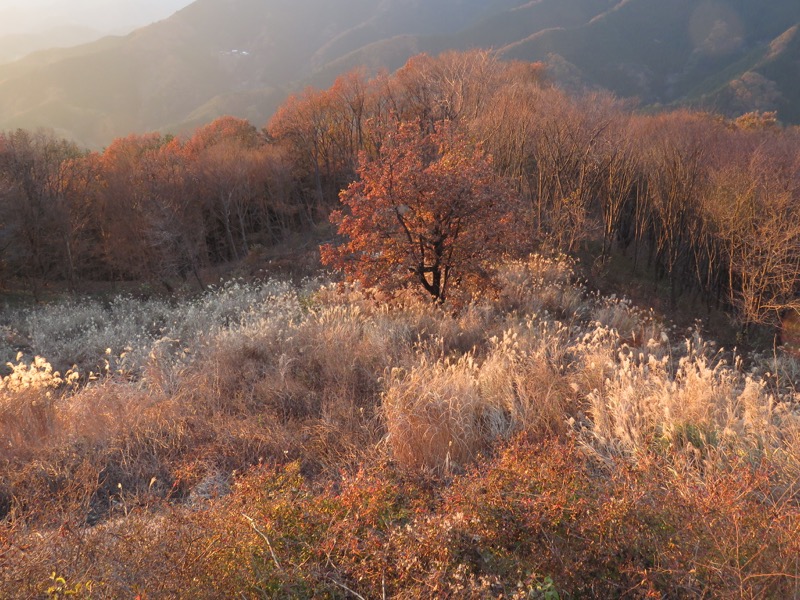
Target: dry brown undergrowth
[[129, 481]]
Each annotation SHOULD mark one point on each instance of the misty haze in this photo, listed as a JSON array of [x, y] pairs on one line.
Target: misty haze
[[31, 25]]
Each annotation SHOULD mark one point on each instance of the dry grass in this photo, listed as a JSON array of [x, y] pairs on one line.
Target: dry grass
[[365, 409], [435, 417], [524, 378]]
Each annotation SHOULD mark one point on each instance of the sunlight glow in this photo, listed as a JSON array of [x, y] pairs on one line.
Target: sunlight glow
[[105, 16]]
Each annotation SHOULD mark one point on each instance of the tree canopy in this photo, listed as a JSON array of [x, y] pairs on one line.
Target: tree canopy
[[427, 209]]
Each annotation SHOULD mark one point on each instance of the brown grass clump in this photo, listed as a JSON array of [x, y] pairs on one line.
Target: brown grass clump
[[539, 284], [435, 417], [524, 378]]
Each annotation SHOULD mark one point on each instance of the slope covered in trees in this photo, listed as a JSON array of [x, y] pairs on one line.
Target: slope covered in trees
[[243, 57], [707, 206], [460, 416], [212, 58]]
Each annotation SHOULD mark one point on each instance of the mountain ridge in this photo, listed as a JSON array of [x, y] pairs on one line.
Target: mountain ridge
[[243, 57]]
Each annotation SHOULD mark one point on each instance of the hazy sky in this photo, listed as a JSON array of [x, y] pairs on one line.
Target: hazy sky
[[106, 16]]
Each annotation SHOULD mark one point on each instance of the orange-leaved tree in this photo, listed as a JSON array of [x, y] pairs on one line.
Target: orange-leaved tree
[[427, 210]]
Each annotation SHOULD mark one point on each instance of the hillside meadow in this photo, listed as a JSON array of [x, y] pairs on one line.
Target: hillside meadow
[[460, 408], [268, 439]]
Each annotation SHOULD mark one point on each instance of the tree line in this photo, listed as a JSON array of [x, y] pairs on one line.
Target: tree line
[[710, 207]]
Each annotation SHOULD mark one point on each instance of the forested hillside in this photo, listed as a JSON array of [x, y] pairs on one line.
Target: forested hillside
[[706, 205], [244, 58], [458, 407]]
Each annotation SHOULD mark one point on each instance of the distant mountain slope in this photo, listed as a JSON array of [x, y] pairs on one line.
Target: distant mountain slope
[[37, 17], [661, 51], [768, 79], [519, 23], [242, 57], [14, 46], [199, 61]]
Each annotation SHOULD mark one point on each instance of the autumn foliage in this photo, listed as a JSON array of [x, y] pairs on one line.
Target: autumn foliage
[[427, 209], [669, 194], [310, 439]]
